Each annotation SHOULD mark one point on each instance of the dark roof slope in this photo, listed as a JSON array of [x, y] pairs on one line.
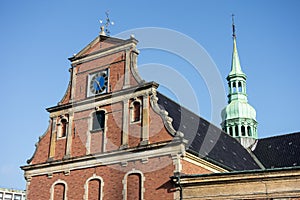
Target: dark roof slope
[[279, 151], [206, 140]]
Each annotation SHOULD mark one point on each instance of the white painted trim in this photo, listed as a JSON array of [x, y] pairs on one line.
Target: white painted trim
[[104, 53], [90, 129], [106, 158], [108, 101], [59, 181], [133, 171], [86, 186]]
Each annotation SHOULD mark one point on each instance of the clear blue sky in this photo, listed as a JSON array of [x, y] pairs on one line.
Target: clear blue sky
[[38, 36]]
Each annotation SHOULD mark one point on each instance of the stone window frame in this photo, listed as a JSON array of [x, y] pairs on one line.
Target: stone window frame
[[91, 131], [133, 171], [93, 114], [86, 186], [59, 181], [132, 111]]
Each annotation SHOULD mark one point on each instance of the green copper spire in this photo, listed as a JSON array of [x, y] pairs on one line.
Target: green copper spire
[[239, 117], [235, 62]]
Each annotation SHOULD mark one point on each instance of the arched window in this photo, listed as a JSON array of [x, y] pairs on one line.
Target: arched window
[[135, 109], [62, 127], [99, 120], [237, 131], [231, 131], [59, 190], [243, 129], [233, 87], [249, 131], [240, 87], [133, 185], [94, 188]]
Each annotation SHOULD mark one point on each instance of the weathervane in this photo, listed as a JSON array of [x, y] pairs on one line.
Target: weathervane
[[105, 29], [233, 26]]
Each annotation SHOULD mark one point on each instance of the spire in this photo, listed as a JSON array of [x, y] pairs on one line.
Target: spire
[[235, 62], [238, 117]]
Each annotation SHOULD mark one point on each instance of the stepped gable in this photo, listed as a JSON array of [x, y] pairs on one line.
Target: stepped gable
[[206, 140], [279, 151]]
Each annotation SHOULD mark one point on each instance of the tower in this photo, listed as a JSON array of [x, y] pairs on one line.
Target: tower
[[238, 117]]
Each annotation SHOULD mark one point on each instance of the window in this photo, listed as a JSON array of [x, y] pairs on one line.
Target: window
[[8, 196], [94, 189], [243, 129], [133, 185], [1, 196], [99, 120], [62, 128], [240, 87], [136, 115], [230, 131], [17, 197], [249, 130], [233, 87], [59, 190]]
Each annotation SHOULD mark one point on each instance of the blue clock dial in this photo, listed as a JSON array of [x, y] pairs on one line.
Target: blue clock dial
[[98, 83]]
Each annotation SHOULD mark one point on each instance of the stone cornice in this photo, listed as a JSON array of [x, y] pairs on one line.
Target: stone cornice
[[110, 97], [241, 176], [79, 59], [108, 158]]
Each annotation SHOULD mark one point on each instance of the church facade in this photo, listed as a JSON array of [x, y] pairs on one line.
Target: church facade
[[114, 136]]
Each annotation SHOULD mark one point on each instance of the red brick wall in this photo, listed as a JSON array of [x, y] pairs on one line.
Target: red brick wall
[[190, 168], [100, 46], [158, 132], [116, 65], [42, 150], [96, 142], [60, 148], [156, 171]]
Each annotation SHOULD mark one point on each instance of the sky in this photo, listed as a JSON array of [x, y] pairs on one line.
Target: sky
[[37, 37]]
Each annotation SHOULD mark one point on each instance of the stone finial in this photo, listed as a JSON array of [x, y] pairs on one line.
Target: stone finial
[[102, 31]]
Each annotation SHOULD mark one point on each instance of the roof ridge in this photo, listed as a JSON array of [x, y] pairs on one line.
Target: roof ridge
[[277, 136]]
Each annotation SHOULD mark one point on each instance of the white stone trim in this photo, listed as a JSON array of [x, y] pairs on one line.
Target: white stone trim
[[164, 116], [104, 53], [133, 171], [124, 142], [106, 158], [133, 66], [69, 136], [114, 99], [90, 129], [86, 186], [59, 181]]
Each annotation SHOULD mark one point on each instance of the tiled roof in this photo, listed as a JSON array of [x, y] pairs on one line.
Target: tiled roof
[[279, 151], [206, 140]]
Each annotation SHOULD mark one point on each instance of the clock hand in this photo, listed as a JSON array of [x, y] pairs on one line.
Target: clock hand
[[98, 83]]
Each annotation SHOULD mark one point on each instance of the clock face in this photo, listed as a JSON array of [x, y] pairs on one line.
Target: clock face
[[98, 82]]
